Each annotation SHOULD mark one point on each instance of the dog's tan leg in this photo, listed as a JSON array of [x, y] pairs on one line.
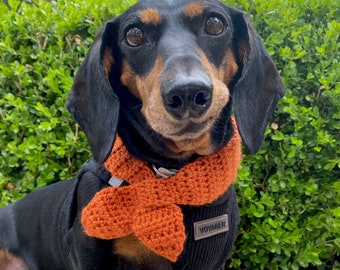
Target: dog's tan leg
[[130, 247], [10, 262]]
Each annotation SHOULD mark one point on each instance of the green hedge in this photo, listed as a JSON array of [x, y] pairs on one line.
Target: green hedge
[[289, 193]]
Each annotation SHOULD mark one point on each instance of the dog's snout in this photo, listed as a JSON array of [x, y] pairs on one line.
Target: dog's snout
[[187, 97]]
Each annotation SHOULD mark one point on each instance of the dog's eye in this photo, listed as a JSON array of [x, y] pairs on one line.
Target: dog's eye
[[214, 26], [134, 37]]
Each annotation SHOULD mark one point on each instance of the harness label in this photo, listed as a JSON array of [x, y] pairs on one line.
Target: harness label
[[210, 227]]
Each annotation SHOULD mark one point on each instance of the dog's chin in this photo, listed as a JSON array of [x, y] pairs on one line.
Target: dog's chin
[[185, 147], [186, 140]]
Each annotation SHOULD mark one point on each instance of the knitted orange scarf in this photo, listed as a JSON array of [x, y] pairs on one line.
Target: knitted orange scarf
[[148, 207]]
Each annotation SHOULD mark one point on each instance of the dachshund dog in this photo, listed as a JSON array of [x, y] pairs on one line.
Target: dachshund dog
[[164, 76]]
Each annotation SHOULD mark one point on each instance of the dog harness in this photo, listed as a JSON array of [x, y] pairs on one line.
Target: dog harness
[[150, 207]]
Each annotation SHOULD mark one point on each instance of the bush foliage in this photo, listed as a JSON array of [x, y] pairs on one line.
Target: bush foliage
[[289, 193]]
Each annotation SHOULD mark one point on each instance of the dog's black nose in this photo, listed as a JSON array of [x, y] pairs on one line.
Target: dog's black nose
[[186, 97]]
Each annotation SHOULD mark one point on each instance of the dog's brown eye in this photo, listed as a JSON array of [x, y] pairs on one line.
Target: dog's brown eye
[[135, 37], [214, 26]]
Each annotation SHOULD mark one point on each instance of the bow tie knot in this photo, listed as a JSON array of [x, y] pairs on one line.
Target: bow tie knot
[[125, 214]]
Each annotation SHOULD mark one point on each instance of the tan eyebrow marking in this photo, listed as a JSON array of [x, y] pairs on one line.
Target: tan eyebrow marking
[[150, 16], [195, 9]]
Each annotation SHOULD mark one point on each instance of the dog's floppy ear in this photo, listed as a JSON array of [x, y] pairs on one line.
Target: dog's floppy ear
[[92, 100], [259, 88]]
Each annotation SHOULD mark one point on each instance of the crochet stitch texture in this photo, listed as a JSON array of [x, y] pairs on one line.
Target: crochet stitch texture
[[148, 207]]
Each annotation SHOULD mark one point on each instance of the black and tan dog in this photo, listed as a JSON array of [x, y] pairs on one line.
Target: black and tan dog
[[164, 76]]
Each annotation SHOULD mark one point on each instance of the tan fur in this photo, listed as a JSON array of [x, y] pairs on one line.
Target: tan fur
[[228, 68], [10, 262], [130, 247], [184, 148], [147, 90], [195, 9], [150, 16], [242, 51], [107, 61]]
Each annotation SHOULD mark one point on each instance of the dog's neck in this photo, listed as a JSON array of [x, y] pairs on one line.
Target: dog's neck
[[152, 148], [116, 212]]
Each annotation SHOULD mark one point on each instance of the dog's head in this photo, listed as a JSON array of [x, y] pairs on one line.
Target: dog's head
[[165, 74]]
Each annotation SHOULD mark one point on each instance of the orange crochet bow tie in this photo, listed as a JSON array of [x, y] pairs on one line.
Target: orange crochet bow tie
[[148, 207]]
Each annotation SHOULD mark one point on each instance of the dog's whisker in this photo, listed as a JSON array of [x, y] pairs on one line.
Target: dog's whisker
[[135, 109]]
